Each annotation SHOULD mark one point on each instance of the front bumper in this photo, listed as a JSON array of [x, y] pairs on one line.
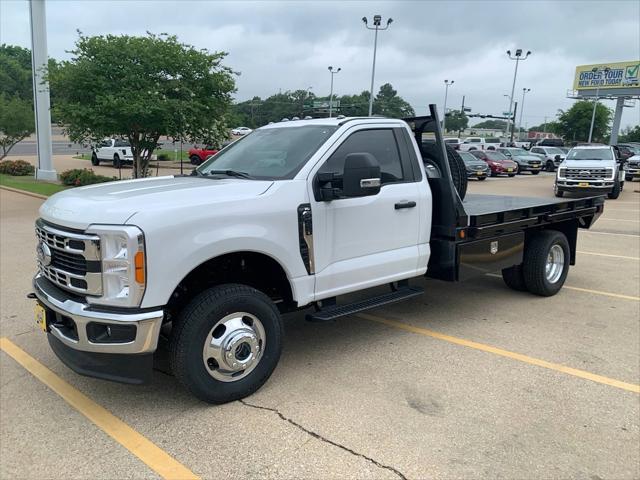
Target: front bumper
[[584, 186], [525, 167], [632, 173], [81, 336], [477, 173]]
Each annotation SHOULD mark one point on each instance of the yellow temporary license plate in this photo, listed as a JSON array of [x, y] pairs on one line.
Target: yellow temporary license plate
[[479, 174], [41, 317], [583, 184], [509, 169]]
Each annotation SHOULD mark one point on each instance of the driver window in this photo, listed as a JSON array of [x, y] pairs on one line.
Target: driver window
[[380, 143]]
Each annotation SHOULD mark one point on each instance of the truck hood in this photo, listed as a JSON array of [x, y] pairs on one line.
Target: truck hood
[[586, 164], [115, 202]]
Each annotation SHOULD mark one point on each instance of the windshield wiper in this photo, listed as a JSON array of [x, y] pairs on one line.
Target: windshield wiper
[[230, 173]]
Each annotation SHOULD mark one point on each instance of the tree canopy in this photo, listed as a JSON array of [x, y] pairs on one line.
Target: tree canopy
[[299, 103], [140, 88], [16, 97], [630, 134], [492, 124], [456, 121], [574, 124]]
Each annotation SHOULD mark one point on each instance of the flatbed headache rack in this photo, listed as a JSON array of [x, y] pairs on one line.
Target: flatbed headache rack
[[486, 233]]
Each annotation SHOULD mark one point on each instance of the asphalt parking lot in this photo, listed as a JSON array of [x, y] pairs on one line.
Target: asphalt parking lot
[[470, 380]]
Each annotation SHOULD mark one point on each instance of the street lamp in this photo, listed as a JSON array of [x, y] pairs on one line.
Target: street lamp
[[524, 91], [447, 84], [517, 57], [377, 21], [333, 72], [596, 100]]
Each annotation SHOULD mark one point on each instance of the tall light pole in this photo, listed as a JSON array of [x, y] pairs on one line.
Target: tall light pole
[[524, 91], [595, 101], [447, 84], [506, 131], [517, 57], [332, 72], [42, 104], [377, 21]]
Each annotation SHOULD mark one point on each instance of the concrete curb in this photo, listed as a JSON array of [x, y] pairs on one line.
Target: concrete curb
[[23, 192]]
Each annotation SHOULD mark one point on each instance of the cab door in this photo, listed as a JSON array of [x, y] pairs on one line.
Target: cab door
[[372, 239]]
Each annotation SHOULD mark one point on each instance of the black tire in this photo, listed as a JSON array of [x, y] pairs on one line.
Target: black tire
[[193, 326], [195, 160], [493, 174], [615, 192], [482, 178], [535, 172], [557, 192], [518, 171], [456, 165], [550, 167], [514, 278], [511, 175], [116, 161], [537, 249], [95, 161]]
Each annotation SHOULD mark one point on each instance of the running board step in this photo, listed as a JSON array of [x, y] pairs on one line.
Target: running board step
[[331, 313]]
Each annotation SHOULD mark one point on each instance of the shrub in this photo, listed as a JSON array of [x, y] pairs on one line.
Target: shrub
[[163, 157], [79, 177], [16, 167]]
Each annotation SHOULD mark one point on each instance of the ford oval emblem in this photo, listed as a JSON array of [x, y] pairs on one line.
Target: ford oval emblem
[[585, 172], [44, 254]]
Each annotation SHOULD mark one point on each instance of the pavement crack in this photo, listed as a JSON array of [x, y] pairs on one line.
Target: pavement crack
[[324, 439]]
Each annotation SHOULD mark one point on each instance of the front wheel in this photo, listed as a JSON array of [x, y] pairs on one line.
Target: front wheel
[[615, 192], [95, 161], [546, 262], [550, 167], [482, 178], [535, 172], [512, 175], [195, 160], [226, 343], [557, 192]]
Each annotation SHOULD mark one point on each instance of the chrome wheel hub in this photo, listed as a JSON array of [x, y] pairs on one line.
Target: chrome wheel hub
[[234, 347], [555, 264]]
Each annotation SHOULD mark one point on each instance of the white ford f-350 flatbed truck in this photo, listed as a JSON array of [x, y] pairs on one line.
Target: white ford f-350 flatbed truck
[[291, 216]]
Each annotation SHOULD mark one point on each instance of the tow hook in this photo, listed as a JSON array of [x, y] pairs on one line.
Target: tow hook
[[31, 296]]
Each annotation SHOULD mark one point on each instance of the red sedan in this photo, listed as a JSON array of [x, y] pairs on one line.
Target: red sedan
[[199, 155], [498, 163]]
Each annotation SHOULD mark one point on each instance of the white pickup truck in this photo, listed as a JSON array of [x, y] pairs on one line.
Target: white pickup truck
[[479, 143], [114, 150], [290, 217]]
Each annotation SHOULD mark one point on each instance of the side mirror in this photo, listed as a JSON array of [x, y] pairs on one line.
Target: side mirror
[[361, 176]]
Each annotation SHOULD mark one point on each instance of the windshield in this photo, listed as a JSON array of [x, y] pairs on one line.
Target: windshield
[[271, 153], [554, 151], [496, 156], [517, 151], [468, 157], [590, 154]]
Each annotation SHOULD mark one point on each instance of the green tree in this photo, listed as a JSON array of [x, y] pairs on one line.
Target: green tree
[[16, 122], [140, 88], [630, 134], [492, 124], [456, 121], [574, 123], [388, 103], [16, 97]]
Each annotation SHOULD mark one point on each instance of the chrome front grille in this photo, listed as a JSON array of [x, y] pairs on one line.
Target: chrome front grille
[[587, 173], [70, 260]]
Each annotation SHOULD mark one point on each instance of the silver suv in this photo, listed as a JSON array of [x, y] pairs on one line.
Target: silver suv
[[590, 169]]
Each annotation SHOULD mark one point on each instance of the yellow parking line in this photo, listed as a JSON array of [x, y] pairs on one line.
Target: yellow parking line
[[595, 292], [608, 255], [606, 294], [619, 220], [631, 387], [610, 233], [152, 455]]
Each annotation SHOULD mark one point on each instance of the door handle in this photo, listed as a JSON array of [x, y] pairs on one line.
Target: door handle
[[405, 204]]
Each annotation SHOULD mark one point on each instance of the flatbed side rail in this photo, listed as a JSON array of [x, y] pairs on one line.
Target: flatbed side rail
[[585, 210]]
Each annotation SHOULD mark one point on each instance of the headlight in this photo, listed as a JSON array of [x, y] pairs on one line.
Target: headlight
[[123, 265], [562, 172]]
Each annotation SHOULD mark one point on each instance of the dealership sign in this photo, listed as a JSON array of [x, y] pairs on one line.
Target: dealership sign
[[607, 75]]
